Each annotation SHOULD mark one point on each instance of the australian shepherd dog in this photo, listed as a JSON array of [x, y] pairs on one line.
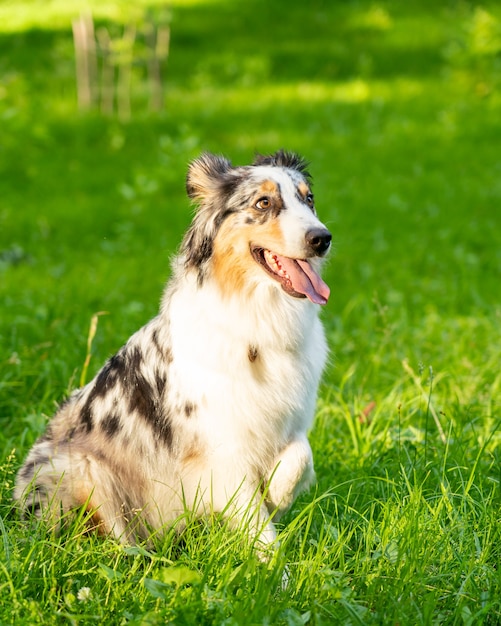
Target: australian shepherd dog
[[207, 407]]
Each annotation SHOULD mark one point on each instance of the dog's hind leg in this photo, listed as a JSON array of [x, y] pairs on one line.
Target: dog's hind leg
[[54, 482]]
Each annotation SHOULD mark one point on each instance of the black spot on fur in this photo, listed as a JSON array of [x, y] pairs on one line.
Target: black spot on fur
[[198, 244], [145, 400], [161, 380], [71, 433], [220, 217], [252, 353], [109, 376], [189, 409], [111, 425], [112, 374], [86, 416], [286, 159], [164, 429], [134, 359], [29, 469], [141, 397], [164, 352], [198, 250], [203, 252], [156, 343]]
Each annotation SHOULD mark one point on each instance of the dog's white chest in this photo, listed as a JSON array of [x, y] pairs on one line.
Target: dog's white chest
[[245, 370]]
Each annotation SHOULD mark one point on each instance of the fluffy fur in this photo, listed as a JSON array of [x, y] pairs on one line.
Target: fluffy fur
[[209, 404]]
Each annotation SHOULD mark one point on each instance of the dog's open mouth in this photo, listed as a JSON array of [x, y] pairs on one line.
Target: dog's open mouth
[[297, 276]]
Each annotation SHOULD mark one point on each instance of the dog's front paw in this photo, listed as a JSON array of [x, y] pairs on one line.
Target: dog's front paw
[[292, 474]]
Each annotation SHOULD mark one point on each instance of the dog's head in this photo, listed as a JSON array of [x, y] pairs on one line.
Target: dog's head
[[256, 221]]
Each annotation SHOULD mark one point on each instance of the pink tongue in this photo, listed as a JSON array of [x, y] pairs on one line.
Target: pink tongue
[[305, 280]]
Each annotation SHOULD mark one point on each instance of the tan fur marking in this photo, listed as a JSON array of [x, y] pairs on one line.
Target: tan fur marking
[[268, 235], [94, 522], [303, 189], [232, 263], [232, 260], [268, 186], [193, 452]]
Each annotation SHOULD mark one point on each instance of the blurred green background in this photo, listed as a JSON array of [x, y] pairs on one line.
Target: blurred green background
[[396, 105]]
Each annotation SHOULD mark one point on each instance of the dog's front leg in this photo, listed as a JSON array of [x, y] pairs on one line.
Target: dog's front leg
[[242, 504], [291, 474]]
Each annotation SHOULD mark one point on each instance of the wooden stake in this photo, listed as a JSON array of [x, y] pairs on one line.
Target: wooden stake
[[85, 59]]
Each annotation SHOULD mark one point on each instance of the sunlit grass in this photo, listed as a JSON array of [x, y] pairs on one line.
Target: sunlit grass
[[397, 106], [354, 91], [17, 16]]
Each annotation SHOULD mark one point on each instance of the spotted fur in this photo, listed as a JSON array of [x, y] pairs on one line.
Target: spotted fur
[[209, 404]]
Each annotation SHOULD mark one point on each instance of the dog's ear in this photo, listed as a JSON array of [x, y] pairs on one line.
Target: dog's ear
[[207, 175], [209, 181]]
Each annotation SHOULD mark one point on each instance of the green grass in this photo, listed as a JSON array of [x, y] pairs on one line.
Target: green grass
[[397, 106]]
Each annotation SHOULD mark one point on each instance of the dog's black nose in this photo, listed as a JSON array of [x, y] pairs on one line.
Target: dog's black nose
[[318, 240]]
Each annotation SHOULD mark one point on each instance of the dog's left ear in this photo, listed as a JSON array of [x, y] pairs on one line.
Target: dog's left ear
[[207, 175]]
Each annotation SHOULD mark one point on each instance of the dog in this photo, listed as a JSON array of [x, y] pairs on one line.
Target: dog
[[207, 407]]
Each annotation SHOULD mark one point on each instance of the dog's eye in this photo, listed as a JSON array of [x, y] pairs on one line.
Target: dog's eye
[[263, 204], [309, 200]]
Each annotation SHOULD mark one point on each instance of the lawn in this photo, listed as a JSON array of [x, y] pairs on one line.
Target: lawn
[[397, 106]]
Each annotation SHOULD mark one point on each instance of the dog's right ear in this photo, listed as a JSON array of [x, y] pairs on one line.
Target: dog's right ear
[[206, 175]]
